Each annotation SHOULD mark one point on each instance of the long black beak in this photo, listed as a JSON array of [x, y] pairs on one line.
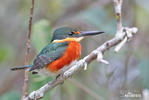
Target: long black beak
[[89, 33]]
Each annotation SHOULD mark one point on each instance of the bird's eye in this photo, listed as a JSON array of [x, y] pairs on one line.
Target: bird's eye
[[71, 33]]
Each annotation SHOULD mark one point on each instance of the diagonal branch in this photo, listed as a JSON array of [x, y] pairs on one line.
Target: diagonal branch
[[123, 34], [25, 87]]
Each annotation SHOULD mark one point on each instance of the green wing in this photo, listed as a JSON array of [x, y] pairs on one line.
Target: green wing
[[48, 54]]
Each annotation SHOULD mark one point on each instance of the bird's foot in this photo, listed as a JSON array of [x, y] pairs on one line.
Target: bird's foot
[[34, 72], [58, 77]]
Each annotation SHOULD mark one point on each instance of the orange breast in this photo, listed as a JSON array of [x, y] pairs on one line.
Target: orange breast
[[72, 53]]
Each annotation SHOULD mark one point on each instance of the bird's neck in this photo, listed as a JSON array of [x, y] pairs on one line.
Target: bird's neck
[[69, 40]]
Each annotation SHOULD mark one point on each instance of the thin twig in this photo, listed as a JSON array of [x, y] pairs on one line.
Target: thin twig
[[86, 89], [118, 7], [26, 77]]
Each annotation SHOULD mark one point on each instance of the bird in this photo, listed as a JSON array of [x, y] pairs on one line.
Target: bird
[[60, 54]]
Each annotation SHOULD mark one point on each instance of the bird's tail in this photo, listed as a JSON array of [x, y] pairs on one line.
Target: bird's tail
[[21, 67]]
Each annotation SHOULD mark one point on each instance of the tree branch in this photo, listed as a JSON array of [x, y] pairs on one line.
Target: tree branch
[[123, 34], [25, 87]]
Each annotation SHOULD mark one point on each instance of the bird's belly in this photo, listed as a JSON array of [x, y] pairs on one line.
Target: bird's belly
[[72, 53], [62, 70], [45, 72]]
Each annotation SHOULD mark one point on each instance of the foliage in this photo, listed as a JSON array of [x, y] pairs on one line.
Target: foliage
[[12, 95], [41, 34]]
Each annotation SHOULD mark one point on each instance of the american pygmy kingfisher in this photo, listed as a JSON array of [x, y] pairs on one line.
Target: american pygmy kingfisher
[[63, 50]]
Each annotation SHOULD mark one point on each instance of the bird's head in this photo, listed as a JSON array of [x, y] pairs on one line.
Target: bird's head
[[71, 34]]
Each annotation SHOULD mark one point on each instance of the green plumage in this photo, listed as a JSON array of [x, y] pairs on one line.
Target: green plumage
[[48, 54], [62, 33], [54, 49]]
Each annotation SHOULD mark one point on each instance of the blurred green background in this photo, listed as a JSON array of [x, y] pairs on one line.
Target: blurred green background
[[128, 70]]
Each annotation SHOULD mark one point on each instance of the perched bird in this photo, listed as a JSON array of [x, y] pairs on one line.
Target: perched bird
[[62, 52]]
